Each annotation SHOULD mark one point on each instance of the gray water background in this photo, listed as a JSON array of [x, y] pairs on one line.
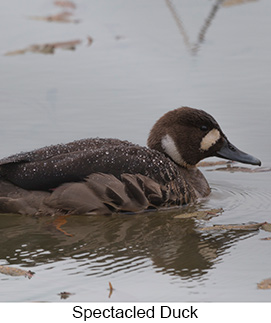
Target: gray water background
[[147, 57]]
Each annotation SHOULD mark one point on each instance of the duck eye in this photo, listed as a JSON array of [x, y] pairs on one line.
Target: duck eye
[[203, 128]]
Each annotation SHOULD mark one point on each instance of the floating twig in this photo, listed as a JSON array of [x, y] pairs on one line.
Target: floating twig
[[90, 40], [265, 284], [11, 271], [64, 16], [244, 227], [110, 290], [233, 169], [48, 48], [229, 3], [199, 214], [214, 163], [65, 295], [65, 4], [267, 238], [266, 227]]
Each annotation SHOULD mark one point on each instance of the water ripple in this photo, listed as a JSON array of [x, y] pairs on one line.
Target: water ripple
[[105, 265], [245, 198]]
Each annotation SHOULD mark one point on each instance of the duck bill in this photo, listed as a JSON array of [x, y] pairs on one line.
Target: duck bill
[[229, 151]]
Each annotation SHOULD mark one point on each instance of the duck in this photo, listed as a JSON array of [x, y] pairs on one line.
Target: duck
[[107, 175]]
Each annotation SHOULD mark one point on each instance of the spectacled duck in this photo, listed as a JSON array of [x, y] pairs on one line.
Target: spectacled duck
[[103, 176]]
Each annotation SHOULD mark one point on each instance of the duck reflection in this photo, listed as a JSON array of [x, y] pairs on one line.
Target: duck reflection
[[103, 245]]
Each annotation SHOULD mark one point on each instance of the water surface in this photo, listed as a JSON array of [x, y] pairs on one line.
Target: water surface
[[146, 58]]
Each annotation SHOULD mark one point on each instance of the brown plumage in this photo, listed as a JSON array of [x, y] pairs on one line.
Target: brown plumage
[[101, 176]]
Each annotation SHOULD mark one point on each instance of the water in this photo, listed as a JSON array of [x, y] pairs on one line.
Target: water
[[146, 58]]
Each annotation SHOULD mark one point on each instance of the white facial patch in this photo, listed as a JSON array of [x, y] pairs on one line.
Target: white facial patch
[[171, 150], [210, 139]]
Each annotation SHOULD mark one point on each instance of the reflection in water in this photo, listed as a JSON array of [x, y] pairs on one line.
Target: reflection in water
[[194, 48], [205, 26], [120, 243], [179, 23]]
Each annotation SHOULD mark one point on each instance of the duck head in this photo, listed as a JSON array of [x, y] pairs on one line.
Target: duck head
[[189, 135]]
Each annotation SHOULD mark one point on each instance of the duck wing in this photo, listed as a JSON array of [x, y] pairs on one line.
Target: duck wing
[[98, 194], [59, 149], [49, 167]]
